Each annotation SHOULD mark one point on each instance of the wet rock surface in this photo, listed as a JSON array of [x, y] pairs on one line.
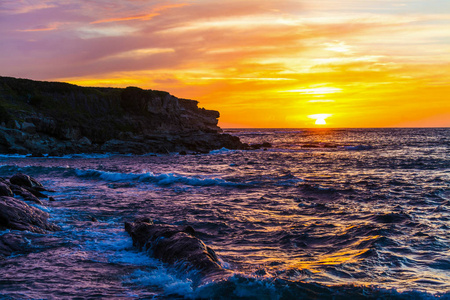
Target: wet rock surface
[[17, 214], [178, 246], [10, 243]]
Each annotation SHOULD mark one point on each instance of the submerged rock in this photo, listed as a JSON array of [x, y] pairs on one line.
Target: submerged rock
[[10, 243], [16, 214], [177, 246]]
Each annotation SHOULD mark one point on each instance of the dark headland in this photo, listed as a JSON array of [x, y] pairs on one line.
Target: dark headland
[[58, 118]]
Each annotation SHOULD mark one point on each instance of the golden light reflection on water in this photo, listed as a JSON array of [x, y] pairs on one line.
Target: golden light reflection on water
[[336, 258]]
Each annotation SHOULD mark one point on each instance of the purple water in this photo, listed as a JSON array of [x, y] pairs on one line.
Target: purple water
[[348, 213]]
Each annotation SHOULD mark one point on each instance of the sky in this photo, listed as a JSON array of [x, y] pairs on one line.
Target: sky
[[261, 63]]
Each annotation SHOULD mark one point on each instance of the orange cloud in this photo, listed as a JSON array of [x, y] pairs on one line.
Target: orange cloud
[[50, 27], [260, 63], [130, 18], [155, 12]]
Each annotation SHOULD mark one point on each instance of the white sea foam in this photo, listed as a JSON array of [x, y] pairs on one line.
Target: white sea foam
[[14, 155], [160, 277], [163, 179], [221, 151]]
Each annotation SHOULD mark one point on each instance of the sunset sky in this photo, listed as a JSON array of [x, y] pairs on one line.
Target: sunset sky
[[261, 63]]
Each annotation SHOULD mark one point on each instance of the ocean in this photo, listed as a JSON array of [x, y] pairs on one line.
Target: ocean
[[322, 214]]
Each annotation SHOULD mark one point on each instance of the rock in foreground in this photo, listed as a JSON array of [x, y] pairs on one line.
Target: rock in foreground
[[176, 246], [16, 214]]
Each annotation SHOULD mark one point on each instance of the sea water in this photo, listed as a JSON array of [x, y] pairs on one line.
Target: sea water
[[322, 214]]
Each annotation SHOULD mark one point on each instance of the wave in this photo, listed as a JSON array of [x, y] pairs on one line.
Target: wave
[[14, 155], [319, 189], [163, 179], [246, 287], [221, 151]]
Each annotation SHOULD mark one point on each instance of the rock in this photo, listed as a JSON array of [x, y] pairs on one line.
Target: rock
[[70, 133], [176, 246], [37, 154], [16, 214], [84, 141], [105, 120], [28, 127], [25, 194], [259, 146], [16, 149], [35, 192], [18, 135], [10, 243], [6, 139], [16, 125], [5, 190], [24, 180]]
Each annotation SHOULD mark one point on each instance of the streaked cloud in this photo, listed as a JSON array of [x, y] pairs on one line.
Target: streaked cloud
[[142, 17], [273, 60]]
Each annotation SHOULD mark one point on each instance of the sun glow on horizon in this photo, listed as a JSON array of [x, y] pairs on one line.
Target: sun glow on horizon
[[320, 118], [265, 65]]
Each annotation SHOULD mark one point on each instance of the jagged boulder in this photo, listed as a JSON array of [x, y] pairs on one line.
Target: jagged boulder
[[30, 189], [16, 214], [25, 194], [177, 246], [24, 180]]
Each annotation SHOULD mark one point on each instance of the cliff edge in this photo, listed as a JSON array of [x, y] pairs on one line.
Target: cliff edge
[[59, 118]]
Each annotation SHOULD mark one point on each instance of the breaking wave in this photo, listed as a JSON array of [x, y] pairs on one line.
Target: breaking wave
[[163, 179]]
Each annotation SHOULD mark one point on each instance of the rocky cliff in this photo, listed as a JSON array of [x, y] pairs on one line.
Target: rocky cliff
[[59, 118]]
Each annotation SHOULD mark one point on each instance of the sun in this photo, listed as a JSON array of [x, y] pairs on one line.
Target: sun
[[320, 118]]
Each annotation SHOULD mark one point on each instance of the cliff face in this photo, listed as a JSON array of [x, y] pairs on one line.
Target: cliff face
[[57, 118]]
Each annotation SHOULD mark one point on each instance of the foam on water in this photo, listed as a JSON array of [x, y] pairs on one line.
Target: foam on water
[[160, 278], [14, 155], [163, 179], [221, 151]]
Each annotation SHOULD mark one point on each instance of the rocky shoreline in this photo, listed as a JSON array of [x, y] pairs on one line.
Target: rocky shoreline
[[17, 215], [177, 246], [58, 118]]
